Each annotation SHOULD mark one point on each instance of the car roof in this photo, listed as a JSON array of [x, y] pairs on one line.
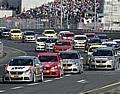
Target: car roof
[[109, 42], [97, 46], [89, 33], [105, 48], [63, 31], [15, 29], [42, 37], [116, 39], [24, 57], [68, 33], [28, 31], [49, 30], [80, 36], [69, 51], [47, 54], [101, 34], [64, 40]]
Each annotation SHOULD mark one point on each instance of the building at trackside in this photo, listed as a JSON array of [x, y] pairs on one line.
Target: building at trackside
[[111, 19]]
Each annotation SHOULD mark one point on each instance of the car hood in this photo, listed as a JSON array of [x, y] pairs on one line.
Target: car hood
[[102, 57], [49, 64], [80, 41], [70, 61], [18, 68], [29, 36]]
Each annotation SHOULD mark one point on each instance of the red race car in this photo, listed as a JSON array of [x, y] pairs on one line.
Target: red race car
[[62, 45], [51, 64], [67, 36]]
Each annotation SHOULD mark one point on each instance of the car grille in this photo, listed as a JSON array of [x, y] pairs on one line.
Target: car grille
[[46, 68], [16, 73], [98, 61], [68, 65]]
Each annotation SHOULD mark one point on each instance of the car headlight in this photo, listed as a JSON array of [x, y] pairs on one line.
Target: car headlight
[[6, 72], [27, 71], [37, 44], [76, 63], [109, 61], [55, 67]]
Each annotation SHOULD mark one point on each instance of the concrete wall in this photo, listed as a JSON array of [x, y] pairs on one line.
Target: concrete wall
[[5, 13]]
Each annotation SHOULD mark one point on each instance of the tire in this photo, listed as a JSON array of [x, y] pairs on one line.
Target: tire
[[41, 78], [34, 79]]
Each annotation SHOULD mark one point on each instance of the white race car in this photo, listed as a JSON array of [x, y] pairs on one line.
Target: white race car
[[23, 68]]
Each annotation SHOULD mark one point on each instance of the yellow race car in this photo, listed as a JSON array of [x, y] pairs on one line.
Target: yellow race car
[[16, 34]]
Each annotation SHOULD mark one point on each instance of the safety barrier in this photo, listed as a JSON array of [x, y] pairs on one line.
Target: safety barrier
[[1, 49]]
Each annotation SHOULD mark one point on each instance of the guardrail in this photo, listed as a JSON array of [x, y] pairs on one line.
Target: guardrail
[[1, 49]]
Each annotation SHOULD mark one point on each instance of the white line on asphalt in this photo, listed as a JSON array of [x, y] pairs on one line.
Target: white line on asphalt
[[107, 86], [57, 78], [82, 81], [61, 77], [16, 49], [17, 87], [68, 75], [47, 81], [2, 91], [33, 84]]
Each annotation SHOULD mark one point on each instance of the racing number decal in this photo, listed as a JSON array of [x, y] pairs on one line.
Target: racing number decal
[[37, 71]]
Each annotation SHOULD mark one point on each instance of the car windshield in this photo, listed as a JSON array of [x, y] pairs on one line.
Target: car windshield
[[48, 58], [103, 37], [63, 43], [102, 53], [41, 39], [69, 56], [110, 45], [51, 40], [21, 62], [16, 31], [6, 30], [80, 38], [68, 35], [92, 49], [94, 41], [90, 36], [29, 33], [49, 32]]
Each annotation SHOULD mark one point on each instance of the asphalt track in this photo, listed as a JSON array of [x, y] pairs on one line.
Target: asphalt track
[[89, 82]]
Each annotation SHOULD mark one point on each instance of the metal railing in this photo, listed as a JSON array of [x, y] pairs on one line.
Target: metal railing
[[1, 49]]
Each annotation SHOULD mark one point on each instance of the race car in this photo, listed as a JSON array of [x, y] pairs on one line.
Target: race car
[[52, 65], [72, 61], [29, 36], [50, 33], [104, 58], [23, 69], [62, 45], [16, 34], [80, 41]]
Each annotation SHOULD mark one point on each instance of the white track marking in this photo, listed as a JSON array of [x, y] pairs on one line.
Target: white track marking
[[33, 84], [82, 81], [47, 81], [107, 86], [68, 75], [17, 87], [61, 77], [57, 78], [2, 91]]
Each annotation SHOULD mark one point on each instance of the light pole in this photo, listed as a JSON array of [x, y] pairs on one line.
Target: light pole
[[61, 17], [95, 21]]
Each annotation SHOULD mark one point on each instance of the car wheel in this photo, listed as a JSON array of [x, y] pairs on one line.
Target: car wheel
[[41, 78], [34, 79]]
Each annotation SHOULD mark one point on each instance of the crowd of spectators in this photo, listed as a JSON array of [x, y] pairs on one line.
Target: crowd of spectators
[[72, 10]]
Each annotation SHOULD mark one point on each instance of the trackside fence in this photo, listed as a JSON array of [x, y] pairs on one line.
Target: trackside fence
[[1, 49]]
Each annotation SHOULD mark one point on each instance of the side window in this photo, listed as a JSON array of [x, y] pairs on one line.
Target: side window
[[36, 60]]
